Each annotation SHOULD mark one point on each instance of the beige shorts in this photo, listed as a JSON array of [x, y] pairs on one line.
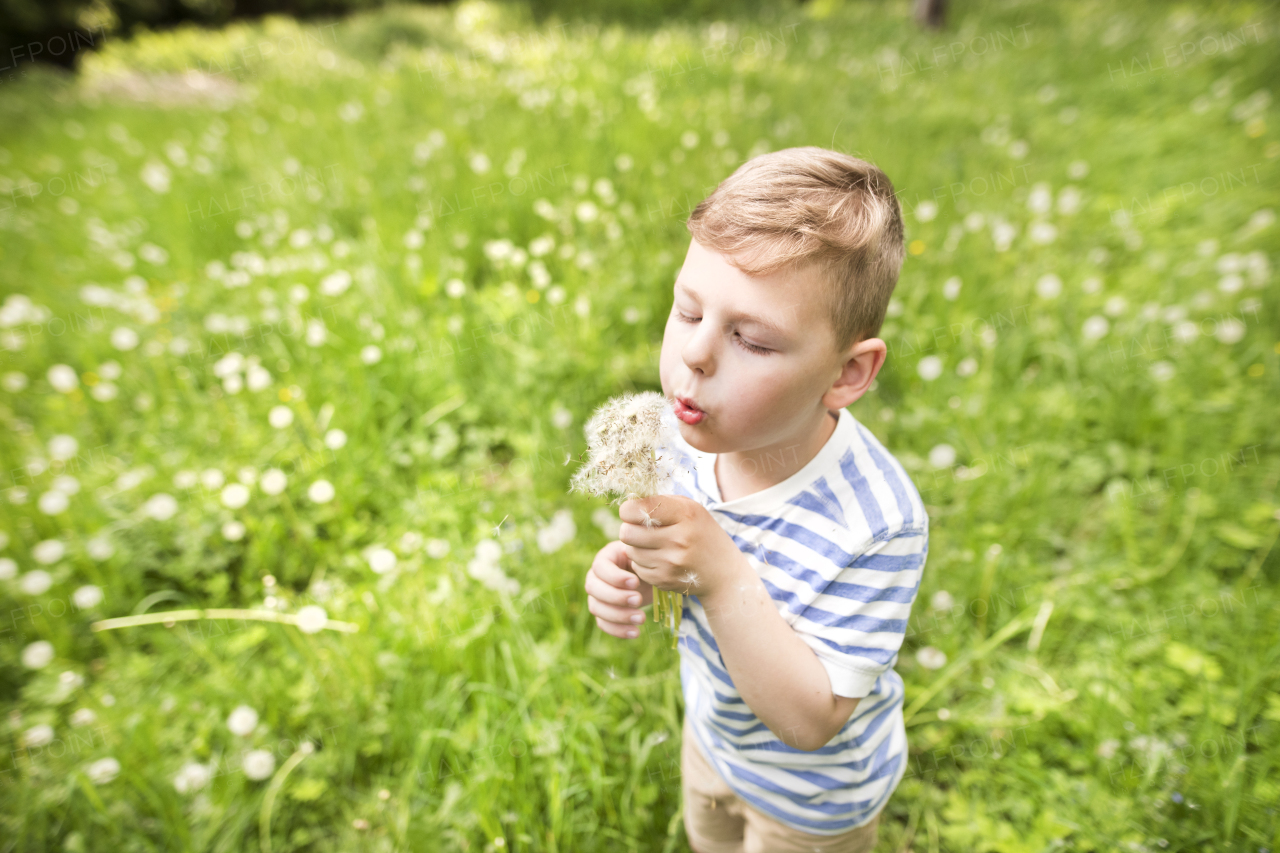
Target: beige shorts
[[716, 820]]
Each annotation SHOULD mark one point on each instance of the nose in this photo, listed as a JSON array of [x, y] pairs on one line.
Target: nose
[[698, 349]]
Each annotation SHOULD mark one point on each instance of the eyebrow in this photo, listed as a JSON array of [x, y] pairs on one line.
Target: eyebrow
[[762, 322]]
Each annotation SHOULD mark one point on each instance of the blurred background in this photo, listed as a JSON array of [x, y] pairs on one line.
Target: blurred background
[[304, 305]]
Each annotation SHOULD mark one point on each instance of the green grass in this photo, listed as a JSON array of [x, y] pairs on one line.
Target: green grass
[[1128, 480]]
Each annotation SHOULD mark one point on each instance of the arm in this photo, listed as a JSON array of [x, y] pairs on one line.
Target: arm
[[776, 673]]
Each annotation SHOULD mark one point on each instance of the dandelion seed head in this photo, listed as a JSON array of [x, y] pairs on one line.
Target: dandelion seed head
[[624, 437]]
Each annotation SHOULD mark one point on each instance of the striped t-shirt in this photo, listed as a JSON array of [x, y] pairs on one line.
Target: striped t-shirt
[[840, 546]]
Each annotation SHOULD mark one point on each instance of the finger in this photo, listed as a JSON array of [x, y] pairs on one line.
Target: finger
[[618, 615], [634, 510], [613, 574], [622, 632], [611, 594], [640, 536]]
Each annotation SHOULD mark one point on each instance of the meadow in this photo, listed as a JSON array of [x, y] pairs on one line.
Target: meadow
[[302, 322]]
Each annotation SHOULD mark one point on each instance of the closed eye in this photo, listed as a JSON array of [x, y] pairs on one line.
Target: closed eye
[[749, 347]]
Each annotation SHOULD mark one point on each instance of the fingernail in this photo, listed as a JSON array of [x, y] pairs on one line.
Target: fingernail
[[631, 582], [633, 634], [635, 599], [639, 617]]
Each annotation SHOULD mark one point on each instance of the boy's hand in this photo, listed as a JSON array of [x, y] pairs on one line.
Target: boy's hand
[[674, 543], [615, 594]]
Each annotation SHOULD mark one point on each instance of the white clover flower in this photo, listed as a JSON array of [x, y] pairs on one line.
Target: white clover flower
[[123, 338], [1095, 327], [66, 484], [103, 771], [63, 447], [63, 378], [1230, 331], [559, 532], [233, 531], [160, 506], [280, 416], [273, 481], [243, 720], [931, 658], [1049, 286], [53, 503], [100, 548], [36, 582], [942, 456], [235, 495], [929, 368], [258, 378], [192, 777], [258, 764], [335, 283], [311, 619], [38, 735], [381, 560], [321, 492], [87, 596], [37, 655], [335, 439]]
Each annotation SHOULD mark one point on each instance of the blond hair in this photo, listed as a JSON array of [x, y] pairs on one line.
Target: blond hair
[[811, 205]]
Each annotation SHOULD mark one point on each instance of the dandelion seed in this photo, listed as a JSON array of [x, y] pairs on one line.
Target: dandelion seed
[[1095, 327], [87, 597], [929, 368], [63, 378], [273, 481], [36, 582], [39, 735], [37, 655], [235, 496], [243, 720], [942, 456], [931, 658], [161, 506], [48, 551], [258, 764], [311, 619], [192, 777], [280, 416], [103, 771], [941, 600]]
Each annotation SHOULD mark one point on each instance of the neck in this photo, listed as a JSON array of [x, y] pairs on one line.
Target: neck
[[745, 472]]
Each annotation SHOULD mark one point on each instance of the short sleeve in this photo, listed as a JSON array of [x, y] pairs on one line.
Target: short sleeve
[[857, 625]]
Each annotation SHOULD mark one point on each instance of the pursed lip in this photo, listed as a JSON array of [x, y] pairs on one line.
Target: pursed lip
[[689, 403]]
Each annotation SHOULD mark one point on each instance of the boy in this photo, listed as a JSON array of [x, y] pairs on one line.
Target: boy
[[799, 538]]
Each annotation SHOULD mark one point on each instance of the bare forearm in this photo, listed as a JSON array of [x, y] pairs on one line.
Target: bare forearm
[[777, 675]]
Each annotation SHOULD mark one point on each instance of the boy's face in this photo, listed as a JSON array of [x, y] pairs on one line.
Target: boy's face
[[751, 399]]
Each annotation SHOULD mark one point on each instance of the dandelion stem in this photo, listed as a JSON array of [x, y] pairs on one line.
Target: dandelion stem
[[273, 787], [214, 613]]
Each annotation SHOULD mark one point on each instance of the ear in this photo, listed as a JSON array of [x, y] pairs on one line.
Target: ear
[[862, 362]]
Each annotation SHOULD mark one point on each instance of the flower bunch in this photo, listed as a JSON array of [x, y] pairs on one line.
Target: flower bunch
[[623, 439]]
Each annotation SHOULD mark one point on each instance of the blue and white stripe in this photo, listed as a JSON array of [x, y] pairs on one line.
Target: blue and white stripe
[[840, 546]]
